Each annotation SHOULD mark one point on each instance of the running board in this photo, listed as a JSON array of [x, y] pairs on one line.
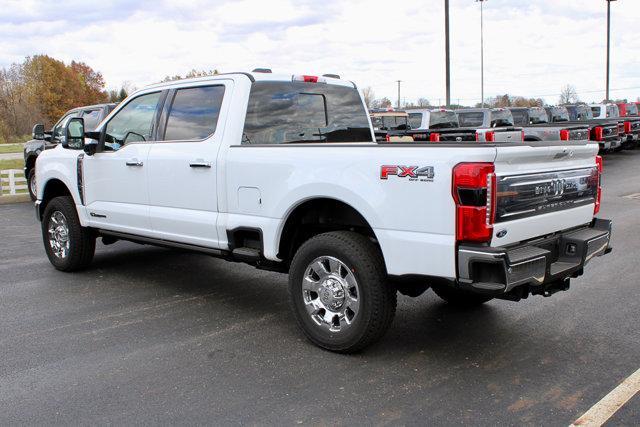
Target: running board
[[163, 243]]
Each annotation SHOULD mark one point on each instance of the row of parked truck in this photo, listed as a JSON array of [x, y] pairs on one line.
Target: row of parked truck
[[612, 126]]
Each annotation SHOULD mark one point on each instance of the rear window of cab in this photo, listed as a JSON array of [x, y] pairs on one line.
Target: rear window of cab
[[300, 112]]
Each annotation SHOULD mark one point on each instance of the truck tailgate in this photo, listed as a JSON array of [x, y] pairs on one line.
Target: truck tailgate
[[543, 189]]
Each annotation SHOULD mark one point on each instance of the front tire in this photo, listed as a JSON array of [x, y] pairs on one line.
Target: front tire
[[338, 291], [460, 298], [31, 183], [69, 246]]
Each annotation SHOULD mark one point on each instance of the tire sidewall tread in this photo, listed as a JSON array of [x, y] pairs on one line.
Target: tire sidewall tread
[[378, 299], [82, 241]]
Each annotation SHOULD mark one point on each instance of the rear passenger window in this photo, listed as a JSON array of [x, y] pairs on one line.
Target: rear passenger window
[[194, 113]]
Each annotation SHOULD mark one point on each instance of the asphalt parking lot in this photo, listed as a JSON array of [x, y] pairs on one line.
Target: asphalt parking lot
[[149, 335]]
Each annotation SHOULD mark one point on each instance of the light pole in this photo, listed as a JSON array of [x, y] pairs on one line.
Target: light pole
[[446, 44], [608, 43], [481, 54], [399, 81]]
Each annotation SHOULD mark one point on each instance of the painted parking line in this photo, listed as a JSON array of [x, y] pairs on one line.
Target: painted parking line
[[599, 413]]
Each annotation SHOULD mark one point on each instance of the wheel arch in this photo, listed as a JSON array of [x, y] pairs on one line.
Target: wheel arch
[[312, 216], [52, 188]]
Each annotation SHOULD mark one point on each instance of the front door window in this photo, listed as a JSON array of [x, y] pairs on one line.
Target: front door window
[[133, 123]]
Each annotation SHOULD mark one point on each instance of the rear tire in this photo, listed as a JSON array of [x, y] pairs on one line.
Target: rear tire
[[69, 246], [339, 292], [459, 297], [31, 183]]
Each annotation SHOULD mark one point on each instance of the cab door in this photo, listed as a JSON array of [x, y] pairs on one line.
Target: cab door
[[115, 177], [183, 170]]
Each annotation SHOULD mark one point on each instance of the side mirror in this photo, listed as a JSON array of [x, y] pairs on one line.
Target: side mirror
[[38, 132], [74, 133]]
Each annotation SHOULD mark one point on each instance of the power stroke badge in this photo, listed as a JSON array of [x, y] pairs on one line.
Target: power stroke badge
[[412, 173]]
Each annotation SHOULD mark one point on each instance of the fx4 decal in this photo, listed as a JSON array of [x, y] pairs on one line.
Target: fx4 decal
[[413, 173]]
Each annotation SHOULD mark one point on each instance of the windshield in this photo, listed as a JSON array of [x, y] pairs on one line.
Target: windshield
[[295, 112], [471, 119], [558, 114], [415, 120], [632, 110], [443, 119], [595, 111], [520, 117], [500, 118], [612, 111]]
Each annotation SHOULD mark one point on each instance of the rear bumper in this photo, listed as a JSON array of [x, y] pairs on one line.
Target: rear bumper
[[536, 264]]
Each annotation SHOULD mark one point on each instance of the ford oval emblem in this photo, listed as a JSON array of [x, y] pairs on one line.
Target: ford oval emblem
[[500, 234]]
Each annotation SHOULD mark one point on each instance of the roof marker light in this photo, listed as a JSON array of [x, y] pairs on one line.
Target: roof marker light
[[309, 79]]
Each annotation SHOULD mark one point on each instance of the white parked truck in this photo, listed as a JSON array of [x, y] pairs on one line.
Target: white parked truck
[[283, 172]]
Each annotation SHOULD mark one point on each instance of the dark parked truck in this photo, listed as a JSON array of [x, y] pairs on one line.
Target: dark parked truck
[[603, 131], [41, 140], [536, 126], [438, 125], [629, 113], [610, 113], [490, 124]]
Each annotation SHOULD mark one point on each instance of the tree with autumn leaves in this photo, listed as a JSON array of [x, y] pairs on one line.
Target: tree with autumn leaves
[[42, 89]]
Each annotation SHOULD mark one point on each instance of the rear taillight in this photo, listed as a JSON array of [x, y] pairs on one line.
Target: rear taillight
[[434, 137], [474, 194], [627, 127], [387, 138], [564, 135], [600, 166], [522, 136], [490, 136], [598, 132], [477, 136]]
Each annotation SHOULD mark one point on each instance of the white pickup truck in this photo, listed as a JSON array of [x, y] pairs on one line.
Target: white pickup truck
[[283, 172]]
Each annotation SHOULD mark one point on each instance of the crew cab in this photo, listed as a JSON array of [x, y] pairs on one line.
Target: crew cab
[[283, 172], [41, 140], [629, 113], [536, 126], [390, 125], [490, 124], [438, 125]]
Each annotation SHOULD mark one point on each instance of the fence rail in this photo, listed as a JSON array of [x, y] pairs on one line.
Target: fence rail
[[12, 181]]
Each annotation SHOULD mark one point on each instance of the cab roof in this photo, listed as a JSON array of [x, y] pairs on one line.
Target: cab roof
[[259, 76]]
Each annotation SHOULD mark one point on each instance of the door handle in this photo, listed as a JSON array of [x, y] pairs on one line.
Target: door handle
[[200, 165], [134, 162]]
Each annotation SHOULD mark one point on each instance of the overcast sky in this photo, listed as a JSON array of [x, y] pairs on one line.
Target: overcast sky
[[532, 47]]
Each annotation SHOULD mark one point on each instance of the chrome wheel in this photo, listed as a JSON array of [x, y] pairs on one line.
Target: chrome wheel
[[32, 184], [330, 293], [58, 234]]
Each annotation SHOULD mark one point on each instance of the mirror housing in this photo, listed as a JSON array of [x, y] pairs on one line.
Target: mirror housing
[[74, 134], [38, 132]]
